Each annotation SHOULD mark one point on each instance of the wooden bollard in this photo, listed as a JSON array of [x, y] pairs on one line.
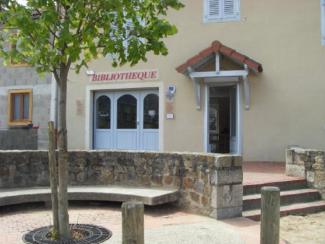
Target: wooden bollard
[[270, 215], [132, 223]]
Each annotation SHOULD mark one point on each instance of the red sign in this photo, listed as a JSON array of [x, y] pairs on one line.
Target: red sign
[[144, 75]]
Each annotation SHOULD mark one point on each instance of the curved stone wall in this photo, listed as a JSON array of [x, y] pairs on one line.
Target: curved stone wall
[[210, 184]]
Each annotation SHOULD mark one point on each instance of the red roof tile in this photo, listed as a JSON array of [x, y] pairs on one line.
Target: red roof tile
[[216, 47]]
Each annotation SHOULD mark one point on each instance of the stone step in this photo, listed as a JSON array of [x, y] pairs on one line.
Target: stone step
[[285, 185], [292, 209], [251, 202]]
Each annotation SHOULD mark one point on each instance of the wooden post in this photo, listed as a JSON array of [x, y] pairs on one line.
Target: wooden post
[[53, 175], [270, 215], [132, 223]]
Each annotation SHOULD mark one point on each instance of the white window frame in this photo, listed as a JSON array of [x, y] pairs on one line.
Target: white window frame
[[322, 16], [207, 18]]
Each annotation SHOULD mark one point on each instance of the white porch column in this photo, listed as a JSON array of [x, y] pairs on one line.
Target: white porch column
[[197, 89], [247, 92]]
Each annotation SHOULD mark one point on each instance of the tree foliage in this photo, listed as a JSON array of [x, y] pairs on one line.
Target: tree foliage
[[53, 35], [55, 32]]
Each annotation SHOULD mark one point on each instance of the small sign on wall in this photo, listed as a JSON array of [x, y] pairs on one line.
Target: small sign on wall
[[170, 116]]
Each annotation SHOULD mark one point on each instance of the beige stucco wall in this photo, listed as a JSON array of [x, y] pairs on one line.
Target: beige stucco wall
[[287, 101]]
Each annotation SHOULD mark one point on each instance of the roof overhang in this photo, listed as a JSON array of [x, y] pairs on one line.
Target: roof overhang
[[218, 48], [215, 51]]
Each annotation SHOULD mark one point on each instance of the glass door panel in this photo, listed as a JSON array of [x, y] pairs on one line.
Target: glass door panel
[[102, 121], [127, 129]]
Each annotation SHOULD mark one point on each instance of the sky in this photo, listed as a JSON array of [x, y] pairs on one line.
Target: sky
[[22, 1]]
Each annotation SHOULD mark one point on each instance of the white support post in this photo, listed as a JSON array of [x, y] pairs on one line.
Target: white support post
[[239, 121], [197, 89], [247, 92], [217, 63]]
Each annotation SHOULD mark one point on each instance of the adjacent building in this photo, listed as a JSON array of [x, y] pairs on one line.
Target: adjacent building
[[24, 107]]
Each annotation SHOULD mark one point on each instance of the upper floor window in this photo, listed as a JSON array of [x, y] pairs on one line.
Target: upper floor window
[[20, 107], [14, 48], [322, 7], [221, 10]]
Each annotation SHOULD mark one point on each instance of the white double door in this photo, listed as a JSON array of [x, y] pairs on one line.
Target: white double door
[[126, 120]]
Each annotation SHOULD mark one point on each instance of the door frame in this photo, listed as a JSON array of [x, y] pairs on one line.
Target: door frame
[[115, 87], [238, 114]]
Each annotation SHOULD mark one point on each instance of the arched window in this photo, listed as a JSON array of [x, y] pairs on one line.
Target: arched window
[[103, 112], [151, 112], [127, 112]]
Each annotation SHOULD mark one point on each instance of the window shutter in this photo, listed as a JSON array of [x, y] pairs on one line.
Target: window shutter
[[322, 7], [229, 8], [213, 9], [220, 10]]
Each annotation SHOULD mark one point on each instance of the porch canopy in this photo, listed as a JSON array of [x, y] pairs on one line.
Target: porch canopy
[[220, 64]]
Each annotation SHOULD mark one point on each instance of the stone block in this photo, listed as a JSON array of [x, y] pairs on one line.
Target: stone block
[[237, 161], [289, 156], [187, 183], [319, 179], [168, 180], [223, 161], [214, 197], [226, 213], [204, 201], [199, 186], [226, 176], [195, 197], [295, 170], [229, 196], [310, 177]]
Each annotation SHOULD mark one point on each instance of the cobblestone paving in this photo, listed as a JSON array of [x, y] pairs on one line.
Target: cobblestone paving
[[164, 222]]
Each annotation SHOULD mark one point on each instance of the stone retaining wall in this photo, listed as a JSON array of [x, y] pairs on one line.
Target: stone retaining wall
[[19, 139], [209, 184], [307, 163]]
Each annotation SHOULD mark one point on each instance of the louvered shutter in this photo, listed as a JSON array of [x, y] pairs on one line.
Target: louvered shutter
[[229, 8], [323, 21], [212, 9], [221, 10]]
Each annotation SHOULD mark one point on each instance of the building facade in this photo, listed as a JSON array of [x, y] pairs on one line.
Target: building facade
[[25, 99], [241, 76]]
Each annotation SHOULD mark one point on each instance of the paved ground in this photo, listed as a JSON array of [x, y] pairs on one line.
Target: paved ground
[[165, 224], [162, 224], [259, 172]]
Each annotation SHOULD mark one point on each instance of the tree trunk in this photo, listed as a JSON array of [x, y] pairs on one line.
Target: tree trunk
[[63, 169], [53, 177]]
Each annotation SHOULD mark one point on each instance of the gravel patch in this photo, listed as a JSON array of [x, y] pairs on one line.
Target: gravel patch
[[303, 229]]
